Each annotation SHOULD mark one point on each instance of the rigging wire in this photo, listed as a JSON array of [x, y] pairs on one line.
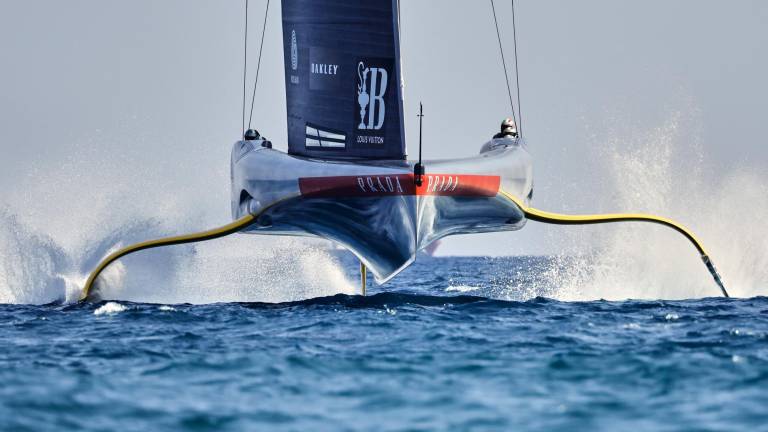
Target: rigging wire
[[245, 67], [258, 64], [503, 60], [517, 73]]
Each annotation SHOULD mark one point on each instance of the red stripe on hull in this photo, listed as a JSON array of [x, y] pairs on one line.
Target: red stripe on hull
[[400, 184]]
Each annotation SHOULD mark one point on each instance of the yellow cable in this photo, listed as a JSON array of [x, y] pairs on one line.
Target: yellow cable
[[561, 219], [213, 234], [169, 241], [530, 213]]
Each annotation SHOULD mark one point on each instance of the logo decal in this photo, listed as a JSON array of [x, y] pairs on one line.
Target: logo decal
[[325, 68], [294, 51], [371, 90], [319, 137], [373, 185]]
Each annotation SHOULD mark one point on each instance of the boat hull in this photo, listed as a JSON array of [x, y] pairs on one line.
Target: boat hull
[[375, 209]]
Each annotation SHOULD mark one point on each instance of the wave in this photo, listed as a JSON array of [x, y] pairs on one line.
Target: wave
[[401, 300]]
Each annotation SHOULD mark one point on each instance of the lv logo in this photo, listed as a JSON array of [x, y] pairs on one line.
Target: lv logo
[[370, 96]]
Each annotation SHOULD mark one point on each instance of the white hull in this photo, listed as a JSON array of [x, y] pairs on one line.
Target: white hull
[[374, 209]]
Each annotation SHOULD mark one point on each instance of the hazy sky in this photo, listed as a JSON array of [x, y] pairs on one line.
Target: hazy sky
[[156, 85]]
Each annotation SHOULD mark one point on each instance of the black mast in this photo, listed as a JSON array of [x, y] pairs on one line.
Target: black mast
[[418, 169]]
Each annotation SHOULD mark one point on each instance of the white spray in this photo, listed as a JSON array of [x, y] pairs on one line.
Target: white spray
[[66, 215], [666, 174]]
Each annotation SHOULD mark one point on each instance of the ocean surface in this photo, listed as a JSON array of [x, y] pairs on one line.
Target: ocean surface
[[442, 348]]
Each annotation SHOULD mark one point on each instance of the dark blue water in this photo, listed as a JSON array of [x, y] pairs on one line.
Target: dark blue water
[[413, 358]]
